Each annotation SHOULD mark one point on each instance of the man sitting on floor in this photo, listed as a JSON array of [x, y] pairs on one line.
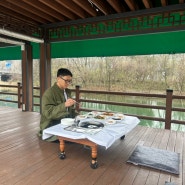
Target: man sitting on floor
[[56, 102]]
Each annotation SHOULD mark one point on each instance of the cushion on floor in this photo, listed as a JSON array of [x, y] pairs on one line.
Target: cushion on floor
[[155, 158], [169, 183]]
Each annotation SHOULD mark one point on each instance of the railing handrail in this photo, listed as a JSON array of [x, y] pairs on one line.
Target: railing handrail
[[168, 96], [11, 86], [125, 93]]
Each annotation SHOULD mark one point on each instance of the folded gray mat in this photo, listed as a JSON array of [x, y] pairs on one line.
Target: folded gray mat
[[169, 183], [155, 158]]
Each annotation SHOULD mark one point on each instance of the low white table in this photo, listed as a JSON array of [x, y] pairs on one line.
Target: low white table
[[106, 137]]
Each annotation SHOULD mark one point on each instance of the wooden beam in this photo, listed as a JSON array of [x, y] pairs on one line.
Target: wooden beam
[[103, 6], [45, 9], [148, 3], [19, 13], [86, 6], [31, 10], [132, 5], [72, 7], [116, 4], [59, 8], [164, 2]]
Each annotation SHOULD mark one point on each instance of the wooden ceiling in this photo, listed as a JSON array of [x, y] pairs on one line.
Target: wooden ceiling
[[25, 16]]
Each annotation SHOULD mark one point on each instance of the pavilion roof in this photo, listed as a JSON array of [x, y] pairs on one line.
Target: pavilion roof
[[33, 17]]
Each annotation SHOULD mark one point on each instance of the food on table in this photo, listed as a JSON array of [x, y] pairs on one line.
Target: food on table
[[108, 113], [119, 116], [82, 116], [110, 122], [99, 117]]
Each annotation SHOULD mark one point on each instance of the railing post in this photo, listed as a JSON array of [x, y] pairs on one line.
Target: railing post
[[77, 97], [19, 94], [169, 94]]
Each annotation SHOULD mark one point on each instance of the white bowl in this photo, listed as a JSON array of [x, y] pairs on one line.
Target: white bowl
[[67, 121], [80, 117]]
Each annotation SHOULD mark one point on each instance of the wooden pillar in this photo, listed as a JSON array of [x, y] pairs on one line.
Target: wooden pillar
[[19, 92], [27, 78], [45, 69], [77, 97], [168, 108]]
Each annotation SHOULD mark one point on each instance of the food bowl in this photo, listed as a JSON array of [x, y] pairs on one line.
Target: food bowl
[[67, 121]]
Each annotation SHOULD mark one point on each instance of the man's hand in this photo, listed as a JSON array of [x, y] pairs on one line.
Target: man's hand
[[69, 102]]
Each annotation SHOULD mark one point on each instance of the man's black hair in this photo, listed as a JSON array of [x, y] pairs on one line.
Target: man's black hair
[[64, 72]]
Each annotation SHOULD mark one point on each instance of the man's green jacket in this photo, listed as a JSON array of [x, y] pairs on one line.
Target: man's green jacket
[[53, 107]]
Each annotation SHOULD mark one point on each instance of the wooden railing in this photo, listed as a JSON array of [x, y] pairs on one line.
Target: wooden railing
[[14, 93], [168, 97], [17, 93]]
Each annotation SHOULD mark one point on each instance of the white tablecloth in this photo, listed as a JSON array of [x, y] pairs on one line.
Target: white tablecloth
[[106, 137]]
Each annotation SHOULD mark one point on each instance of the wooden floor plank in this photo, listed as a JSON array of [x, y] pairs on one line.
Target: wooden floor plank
[[119, 164], [160, 142], [149, 140], [165, 177], [25, 159], [179, 149]]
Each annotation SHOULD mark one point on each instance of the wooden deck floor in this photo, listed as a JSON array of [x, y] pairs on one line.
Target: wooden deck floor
[[24, 159]]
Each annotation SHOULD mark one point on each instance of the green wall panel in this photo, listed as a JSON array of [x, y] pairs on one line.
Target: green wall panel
[[14, 53], [10, 53], [36, 50], [161, 43]]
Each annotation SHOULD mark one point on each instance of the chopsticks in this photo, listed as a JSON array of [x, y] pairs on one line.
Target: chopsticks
[[77, 102]]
